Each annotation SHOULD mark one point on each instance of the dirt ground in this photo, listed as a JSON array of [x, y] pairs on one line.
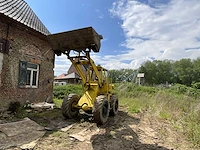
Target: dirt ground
[[122, 132]]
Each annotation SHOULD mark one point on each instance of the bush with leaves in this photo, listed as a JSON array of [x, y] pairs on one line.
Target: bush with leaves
[[60, 92], [196, 85]]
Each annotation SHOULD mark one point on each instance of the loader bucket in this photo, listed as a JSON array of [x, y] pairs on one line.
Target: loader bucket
[[78, 40]]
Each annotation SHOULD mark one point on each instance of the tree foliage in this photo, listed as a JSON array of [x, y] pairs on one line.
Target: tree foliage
[[184, 71], [122, 75]]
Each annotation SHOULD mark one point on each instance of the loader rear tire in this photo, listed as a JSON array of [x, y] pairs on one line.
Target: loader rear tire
[[101, 109], [114, 105], [67, 108]]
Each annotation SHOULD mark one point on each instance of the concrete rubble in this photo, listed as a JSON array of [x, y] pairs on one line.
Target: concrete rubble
[[23, 133], [43, 105], [86, 134]]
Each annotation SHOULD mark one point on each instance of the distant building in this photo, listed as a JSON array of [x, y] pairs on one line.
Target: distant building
[[72, 77], [73, 69], [26, 58], [140, 78], [63, 79]]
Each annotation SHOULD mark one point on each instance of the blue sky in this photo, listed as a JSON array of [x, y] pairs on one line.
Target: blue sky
[[134, 31]]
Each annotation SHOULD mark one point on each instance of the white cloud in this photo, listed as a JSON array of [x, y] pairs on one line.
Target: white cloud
[[97, 10], [165, 31], [100, 15], [62, 65], [117, 61], [161, 32]]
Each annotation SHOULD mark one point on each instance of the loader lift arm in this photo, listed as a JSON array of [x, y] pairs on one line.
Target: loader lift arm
[[84, 60]]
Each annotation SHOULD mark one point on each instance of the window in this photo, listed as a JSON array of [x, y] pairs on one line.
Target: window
[[28, 74]]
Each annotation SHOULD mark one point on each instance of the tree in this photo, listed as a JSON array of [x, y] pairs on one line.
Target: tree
[[196, 70], [158, 71], [184, 71], [122, 75], [150, 70], [114, 75]]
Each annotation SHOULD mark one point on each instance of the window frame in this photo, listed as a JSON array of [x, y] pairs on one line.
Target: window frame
[[31, 76], [24, 68]]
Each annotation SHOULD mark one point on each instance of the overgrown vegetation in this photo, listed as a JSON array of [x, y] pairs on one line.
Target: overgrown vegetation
[[184, 71], [60, 92], [178, 104]]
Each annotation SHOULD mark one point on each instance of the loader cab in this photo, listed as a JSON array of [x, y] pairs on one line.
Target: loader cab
[[103, 73]]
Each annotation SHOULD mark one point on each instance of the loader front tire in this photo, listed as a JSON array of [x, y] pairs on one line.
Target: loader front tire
[[101, 109], [67, 108], [114, 105]]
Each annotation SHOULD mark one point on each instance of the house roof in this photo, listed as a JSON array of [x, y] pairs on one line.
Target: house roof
[[72, 76], [73, 69], [20, 11], [60, 76], [68, 76]]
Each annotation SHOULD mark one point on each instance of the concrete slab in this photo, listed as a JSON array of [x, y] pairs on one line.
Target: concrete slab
[[19, 133]]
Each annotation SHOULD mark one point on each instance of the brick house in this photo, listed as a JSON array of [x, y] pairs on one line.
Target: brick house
[[63, 79], [71, 77], [26, 58]]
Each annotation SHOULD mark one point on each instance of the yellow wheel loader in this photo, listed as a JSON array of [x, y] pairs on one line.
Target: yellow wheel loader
[[98, 98]]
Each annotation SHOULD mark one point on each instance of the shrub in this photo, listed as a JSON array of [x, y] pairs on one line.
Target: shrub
[[60, 92], [196, 85], [185, 90]]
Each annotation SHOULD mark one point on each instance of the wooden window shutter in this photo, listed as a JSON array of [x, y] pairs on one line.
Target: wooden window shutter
[[4, 46], [22, 73], [7, 47]]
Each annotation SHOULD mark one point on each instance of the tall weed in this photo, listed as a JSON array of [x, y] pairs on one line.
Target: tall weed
[[179, 104]]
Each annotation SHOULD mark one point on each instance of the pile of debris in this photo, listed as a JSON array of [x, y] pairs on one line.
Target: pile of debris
[[39, 106], [24, 133], [18, 132]]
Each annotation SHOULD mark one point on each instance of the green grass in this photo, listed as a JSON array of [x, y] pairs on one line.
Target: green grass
[[192, 127], [134, 105], [58, 102], [57, 134], [179, 104], [165, 115]]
